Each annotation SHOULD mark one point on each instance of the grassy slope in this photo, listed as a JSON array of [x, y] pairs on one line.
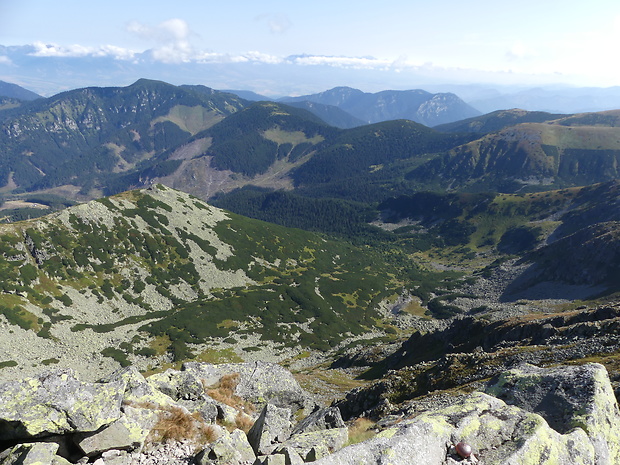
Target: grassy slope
[[169, 272]]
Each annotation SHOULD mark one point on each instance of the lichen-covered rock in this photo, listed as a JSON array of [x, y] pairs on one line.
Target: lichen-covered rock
[[179, 385], [138, 391], [228, 449], [129, 432], [272, 427], [567, 397], [498, 434], [291, 456], [322, 419], [57, 402], [33, 454], [277, 459], [259, 382], [315, 444]]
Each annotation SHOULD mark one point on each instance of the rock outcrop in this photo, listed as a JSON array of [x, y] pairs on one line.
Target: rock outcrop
[[561, 416], [527, 415]]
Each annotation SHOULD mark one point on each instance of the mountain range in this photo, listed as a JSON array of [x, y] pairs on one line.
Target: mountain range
[[318, 240], [88, 142]]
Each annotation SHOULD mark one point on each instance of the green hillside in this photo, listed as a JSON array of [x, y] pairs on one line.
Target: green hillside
[[497, 120], [252, 140], [530, 156], [166, 275], [79, 137]]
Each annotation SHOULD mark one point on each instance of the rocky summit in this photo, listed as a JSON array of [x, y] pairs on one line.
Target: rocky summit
[[257, 413]]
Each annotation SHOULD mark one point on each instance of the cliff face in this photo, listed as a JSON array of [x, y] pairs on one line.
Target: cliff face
[[562, 415]]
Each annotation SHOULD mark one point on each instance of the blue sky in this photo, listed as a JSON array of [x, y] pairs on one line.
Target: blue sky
[[531, 41]]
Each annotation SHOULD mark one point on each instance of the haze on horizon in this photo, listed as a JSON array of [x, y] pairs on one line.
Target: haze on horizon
[[397, 44]]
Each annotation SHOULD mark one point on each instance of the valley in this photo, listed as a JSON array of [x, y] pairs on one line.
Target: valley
[[387, 265]]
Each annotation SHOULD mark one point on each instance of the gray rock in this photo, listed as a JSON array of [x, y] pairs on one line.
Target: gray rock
[[272, 427], [277, 459], [129, 432], [179, 385], [498, 434], [138, 390], [291, 456], [37, 453], [259, 382], [57, 402], [116, 457], [229, 449], [315, 444], [567, 397], [325, 418], [207, 408]]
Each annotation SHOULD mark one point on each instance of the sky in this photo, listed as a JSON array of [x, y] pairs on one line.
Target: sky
[[531, 41]]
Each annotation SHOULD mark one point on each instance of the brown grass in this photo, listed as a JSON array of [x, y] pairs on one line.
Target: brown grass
[[361, 430], [243, 422], [224, 392], [176, 424]]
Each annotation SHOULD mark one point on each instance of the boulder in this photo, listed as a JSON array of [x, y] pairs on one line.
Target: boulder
[[291, 456], [270, 460], [567, 397], [33, 454], [230, 449], [56, 402], [313, 445], [129, 432], [259, 382], [498, 434], [138, 390], [179, 385], [322, 419], [272, 427]]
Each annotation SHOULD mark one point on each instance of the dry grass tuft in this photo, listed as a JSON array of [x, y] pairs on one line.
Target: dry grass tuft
[[176, 424], [361, 430], [224, 392], [244, 422]]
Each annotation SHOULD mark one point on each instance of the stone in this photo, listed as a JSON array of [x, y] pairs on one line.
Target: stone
[[316, 443], [498, 433], [179, 385], [230, 449], [56, 402], [277, 459], [259, 382], [322, 419], [273, 426], [206, 407], [129, 432], [138, 390], [291, 456], [37, 453], [567, 397]]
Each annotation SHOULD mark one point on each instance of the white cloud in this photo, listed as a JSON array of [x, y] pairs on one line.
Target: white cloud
[[55, 50], [172, 38], [4, 60], [340, 61]]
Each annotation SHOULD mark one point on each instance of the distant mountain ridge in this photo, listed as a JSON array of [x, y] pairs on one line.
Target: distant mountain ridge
[[10, 90], [416, 105]]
